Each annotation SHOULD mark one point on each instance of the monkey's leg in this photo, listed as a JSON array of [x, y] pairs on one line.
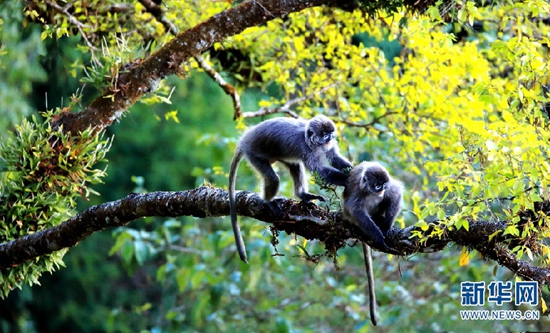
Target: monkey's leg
[[270, 178], [389, 207], [367, 253], [271, 182], [389, 219], [381, 221], [298, 173]]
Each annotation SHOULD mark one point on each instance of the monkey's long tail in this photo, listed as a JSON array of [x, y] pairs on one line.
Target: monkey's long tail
[[367, 253], [232, 205]]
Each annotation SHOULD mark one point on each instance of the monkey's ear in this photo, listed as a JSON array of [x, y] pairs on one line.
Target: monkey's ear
[[309, 132]]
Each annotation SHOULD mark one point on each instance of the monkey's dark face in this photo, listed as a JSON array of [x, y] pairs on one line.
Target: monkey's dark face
[[376, 180]]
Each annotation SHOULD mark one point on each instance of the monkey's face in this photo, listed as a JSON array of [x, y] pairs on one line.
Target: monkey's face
[[321, 137], [376, 181], [327, 137]]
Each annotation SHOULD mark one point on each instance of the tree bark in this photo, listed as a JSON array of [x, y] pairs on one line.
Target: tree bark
[[306, 220]]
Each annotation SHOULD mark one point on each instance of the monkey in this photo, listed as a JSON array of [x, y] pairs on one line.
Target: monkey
[[372, 200], [296, 143]]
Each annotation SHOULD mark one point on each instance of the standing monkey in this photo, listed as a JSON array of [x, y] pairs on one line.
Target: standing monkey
[[372, 200], [296, 143]]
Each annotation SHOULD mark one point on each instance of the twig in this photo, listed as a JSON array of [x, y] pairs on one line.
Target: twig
[[79, 25], [374, 121], [313, 219], [157, 12], [285, 108], [229, 89]]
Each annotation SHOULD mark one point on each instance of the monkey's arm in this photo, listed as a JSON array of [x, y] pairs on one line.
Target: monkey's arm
[[365, 224], [391, 205], [336, 160], [332, 175], [316, 162]]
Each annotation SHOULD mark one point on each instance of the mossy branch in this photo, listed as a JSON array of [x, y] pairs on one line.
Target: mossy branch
[[306, 220]]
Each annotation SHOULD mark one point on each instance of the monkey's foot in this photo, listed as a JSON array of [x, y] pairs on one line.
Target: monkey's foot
[[307, 197], [384, 247], [275, 207]]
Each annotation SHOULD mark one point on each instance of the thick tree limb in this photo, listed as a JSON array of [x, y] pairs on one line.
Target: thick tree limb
[[158, 13], [306, 220], [142, 77]]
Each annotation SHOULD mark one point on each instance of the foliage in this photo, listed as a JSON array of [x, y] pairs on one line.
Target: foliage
[[160, 155], [454, 103], [480, 137], [43, 172], [19, 67], [198, 265]]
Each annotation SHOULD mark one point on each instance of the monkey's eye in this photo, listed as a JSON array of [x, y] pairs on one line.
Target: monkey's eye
[[328, 137], [378, 188]]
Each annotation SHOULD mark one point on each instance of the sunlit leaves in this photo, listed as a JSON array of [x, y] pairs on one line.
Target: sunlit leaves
[[466, 114], [463, 261]]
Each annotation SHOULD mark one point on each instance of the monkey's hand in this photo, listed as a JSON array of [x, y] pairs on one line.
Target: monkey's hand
[[369, 230], [378, 242], [347, 170]]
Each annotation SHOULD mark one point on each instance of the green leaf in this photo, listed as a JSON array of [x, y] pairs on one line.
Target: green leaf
[[281, 325], [183, 276], [127, 252], [140, 251]]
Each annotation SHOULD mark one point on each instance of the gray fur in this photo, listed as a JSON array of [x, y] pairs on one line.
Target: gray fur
[[299, 145]]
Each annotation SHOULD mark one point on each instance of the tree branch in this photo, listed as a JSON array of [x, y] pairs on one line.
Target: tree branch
[[285, 108], [304, 219], [158, 13], [143, 77], [229, 89]]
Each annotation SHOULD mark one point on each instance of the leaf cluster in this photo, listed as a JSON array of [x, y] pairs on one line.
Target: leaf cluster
[[43, 172]]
